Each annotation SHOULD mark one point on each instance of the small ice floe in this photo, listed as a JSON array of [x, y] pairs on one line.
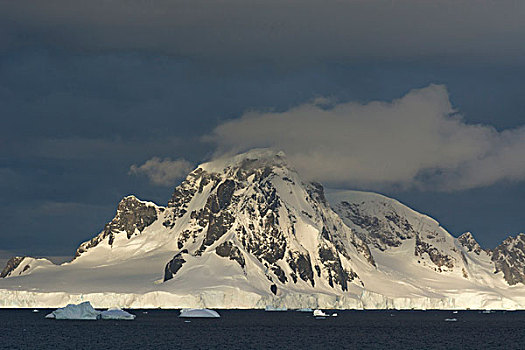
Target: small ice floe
[[274, 308], [82, 311], [199, 313], [35, 311], [305, 309], [116, 314], [451, 319], [320, 314]]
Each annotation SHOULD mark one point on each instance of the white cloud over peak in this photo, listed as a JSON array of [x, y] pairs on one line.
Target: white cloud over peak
[[163, 172], [416, 141]]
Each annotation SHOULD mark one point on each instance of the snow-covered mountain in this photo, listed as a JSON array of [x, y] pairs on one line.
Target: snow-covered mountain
[[247, 232]]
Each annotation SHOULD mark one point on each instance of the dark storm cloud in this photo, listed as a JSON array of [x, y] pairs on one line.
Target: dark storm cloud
[[291, 31], [72, 124]]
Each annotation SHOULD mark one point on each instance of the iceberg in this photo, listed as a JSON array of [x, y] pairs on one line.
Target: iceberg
[[319, 313], [82, 311], [116, 314], [199, 313]]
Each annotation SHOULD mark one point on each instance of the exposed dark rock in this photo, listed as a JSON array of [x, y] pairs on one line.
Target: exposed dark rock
[[468, 241], [436, 256], [265, 241], [273, 289], [325, 234], [132, 215], [228, 250], [294, 277], [218, 226], [318, 269], [174, 265], [509, 258], [224, 196], [216, 214], [11, 265], [279, 273], [388, 232], [300, 264], [316, 191], [336, 273]]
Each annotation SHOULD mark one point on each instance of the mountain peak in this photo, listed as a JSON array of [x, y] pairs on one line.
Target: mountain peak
[[469, 242], [259, 157]]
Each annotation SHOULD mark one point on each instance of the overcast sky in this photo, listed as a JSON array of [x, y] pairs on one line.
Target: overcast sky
[[422, 101]]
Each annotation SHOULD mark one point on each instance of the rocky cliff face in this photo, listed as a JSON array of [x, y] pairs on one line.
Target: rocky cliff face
[[468, 241], [12, 264], [253, 208], [509, 258], [132, 217], [387, 225]]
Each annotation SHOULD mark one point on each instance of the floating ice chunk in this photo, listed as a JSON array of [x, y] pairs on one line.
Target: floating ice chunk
[[83, 311], [319, 313], [116, 314], [199, 313]]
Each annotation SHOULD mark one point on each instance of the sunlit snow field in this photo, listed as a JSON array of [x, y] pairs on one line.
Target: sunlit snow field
[[255, 329]]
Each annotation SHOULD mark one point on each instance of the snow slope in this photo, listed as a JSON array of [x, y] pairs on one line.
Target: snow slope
[[247, 232]]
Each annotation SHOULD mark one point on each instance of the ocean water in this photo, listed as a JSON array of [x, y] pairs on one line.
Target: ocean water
[[256, 329]]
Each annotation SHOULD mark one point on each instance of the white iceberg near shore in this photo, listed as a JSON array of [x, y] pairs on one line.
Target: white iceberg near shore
[[82, 311], [116, 314], [199, 313], [319, 313]]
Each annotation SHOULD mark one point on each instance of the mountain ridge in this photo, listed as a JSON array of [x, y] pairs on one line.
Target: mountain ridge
[[247, 231]]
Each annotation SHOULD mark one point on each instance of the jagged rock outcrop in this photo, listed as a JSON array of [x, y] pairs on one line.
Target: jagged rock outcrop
[[389, 231], [174, 265], [439, 258], [11, 265], [469, 242], [132, 217], [509, 258], [228, 250]]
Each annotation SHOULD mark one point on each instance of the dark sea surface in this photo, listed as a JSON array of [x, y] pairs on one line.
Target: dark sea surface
[[255, 329]]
